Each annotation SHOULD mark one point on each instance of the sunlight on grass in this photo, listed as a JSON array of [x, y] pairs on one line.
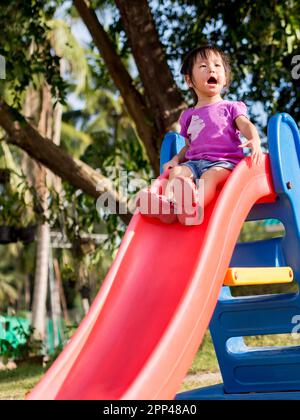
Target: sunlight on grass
[[204, 371], [15, 384]]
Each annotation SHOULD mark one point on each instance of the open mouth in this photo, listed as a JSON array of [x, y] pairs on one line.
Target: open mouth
[[212, 81]]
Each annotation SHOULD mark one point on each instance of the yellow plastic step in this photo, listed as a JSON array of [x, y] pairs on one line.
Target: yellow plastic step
[[248, 276]]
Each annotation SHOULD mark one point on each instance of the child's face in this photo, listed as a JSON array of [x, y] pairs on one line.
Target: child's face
[[209, 76]]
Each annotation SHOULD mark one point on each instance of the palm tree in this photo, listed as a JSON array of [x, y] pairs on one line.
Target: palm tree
[[49, 125]]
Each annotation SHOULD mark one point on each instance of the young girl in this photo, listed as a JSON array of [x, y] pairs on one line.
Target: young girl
[[211, 129]]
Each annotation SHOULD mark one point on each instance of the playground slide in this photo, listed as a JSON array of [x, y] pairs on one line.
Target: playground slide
[[149, 318]]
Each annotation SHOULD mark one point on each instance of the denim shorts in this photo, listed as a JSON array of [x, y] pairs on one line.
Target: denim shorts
[[198, 167]]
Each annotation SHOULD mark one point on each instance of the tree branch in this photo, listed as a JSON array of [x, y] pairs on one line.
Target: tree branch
[[160, 88], [76, 172]]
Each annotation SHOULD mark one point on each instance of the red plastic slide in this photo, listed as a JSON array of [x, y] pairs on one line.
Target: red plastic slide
[[148, 320]]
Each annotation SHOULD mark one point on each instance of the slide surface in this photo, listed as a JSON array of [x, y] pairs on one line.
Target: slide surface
[[148, 320]]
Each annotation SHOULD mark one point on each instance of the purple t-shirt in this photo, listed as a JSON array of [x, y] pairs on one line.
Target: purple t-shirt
[[212, 132]]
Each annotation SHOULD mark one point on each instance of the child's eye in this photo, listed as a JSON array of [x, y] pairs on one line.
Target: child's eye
[[202, 65], [218, 65]]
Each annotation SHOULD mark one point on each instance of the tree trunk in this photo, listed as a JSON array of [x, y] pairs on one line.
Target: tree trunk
[[61, 291], [142, 116], [161, 91], [55, 291], [41, 281], [57, 118], [39, 310], [57, 160], [162, 102], [80, 253], [56, 312], [27, 297]]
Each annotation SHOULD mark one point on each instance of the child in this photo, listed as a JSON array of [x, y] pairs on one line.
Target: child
[[211, 129]]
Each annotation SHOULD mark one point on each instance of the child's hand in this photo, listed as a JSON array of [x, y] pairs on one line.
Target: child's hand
[[256, 151], [169, 165]]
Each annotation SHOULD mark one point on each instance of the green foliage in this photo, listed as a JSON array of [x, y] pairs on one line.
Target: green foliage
[[260, 37], [70, 284], [17, 204], [8, 292], [20, 348], [257, 231], [16, 263], [126, 155], [67, 47]]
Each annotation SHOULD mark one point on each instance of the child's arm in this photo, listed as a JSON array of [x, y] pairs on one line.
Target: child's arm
[[177, 158], [249, 130]]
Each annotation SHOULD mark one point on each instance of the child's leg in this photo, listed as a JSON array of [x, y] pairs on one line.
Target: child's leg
[[182, 170], [213, 177]]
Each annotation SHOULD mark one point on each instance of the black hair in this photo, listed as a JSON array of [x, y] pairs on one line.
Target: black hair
[[204, 51]]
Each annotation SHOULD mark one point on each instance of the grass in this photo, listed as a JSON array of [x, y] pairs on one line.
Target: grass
[[205, 360], [278, 340], [204, 371], [15, 384]]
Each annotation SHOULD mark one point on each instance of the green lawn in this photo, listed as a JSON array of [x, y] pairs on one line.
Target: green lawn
[[203, 372], [16, 383]]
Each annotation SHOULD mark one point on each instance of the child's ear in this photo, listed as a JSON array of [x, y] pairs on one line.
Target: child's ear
[[188, 81]]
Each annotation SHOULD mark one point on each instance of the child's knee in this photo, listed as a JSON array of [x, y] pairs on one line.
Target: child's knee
[[175, 171], [180, 170]]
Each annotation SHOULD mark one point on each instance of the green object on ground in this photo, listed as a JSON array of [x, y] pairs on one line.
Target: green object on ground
[[11, 329]]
